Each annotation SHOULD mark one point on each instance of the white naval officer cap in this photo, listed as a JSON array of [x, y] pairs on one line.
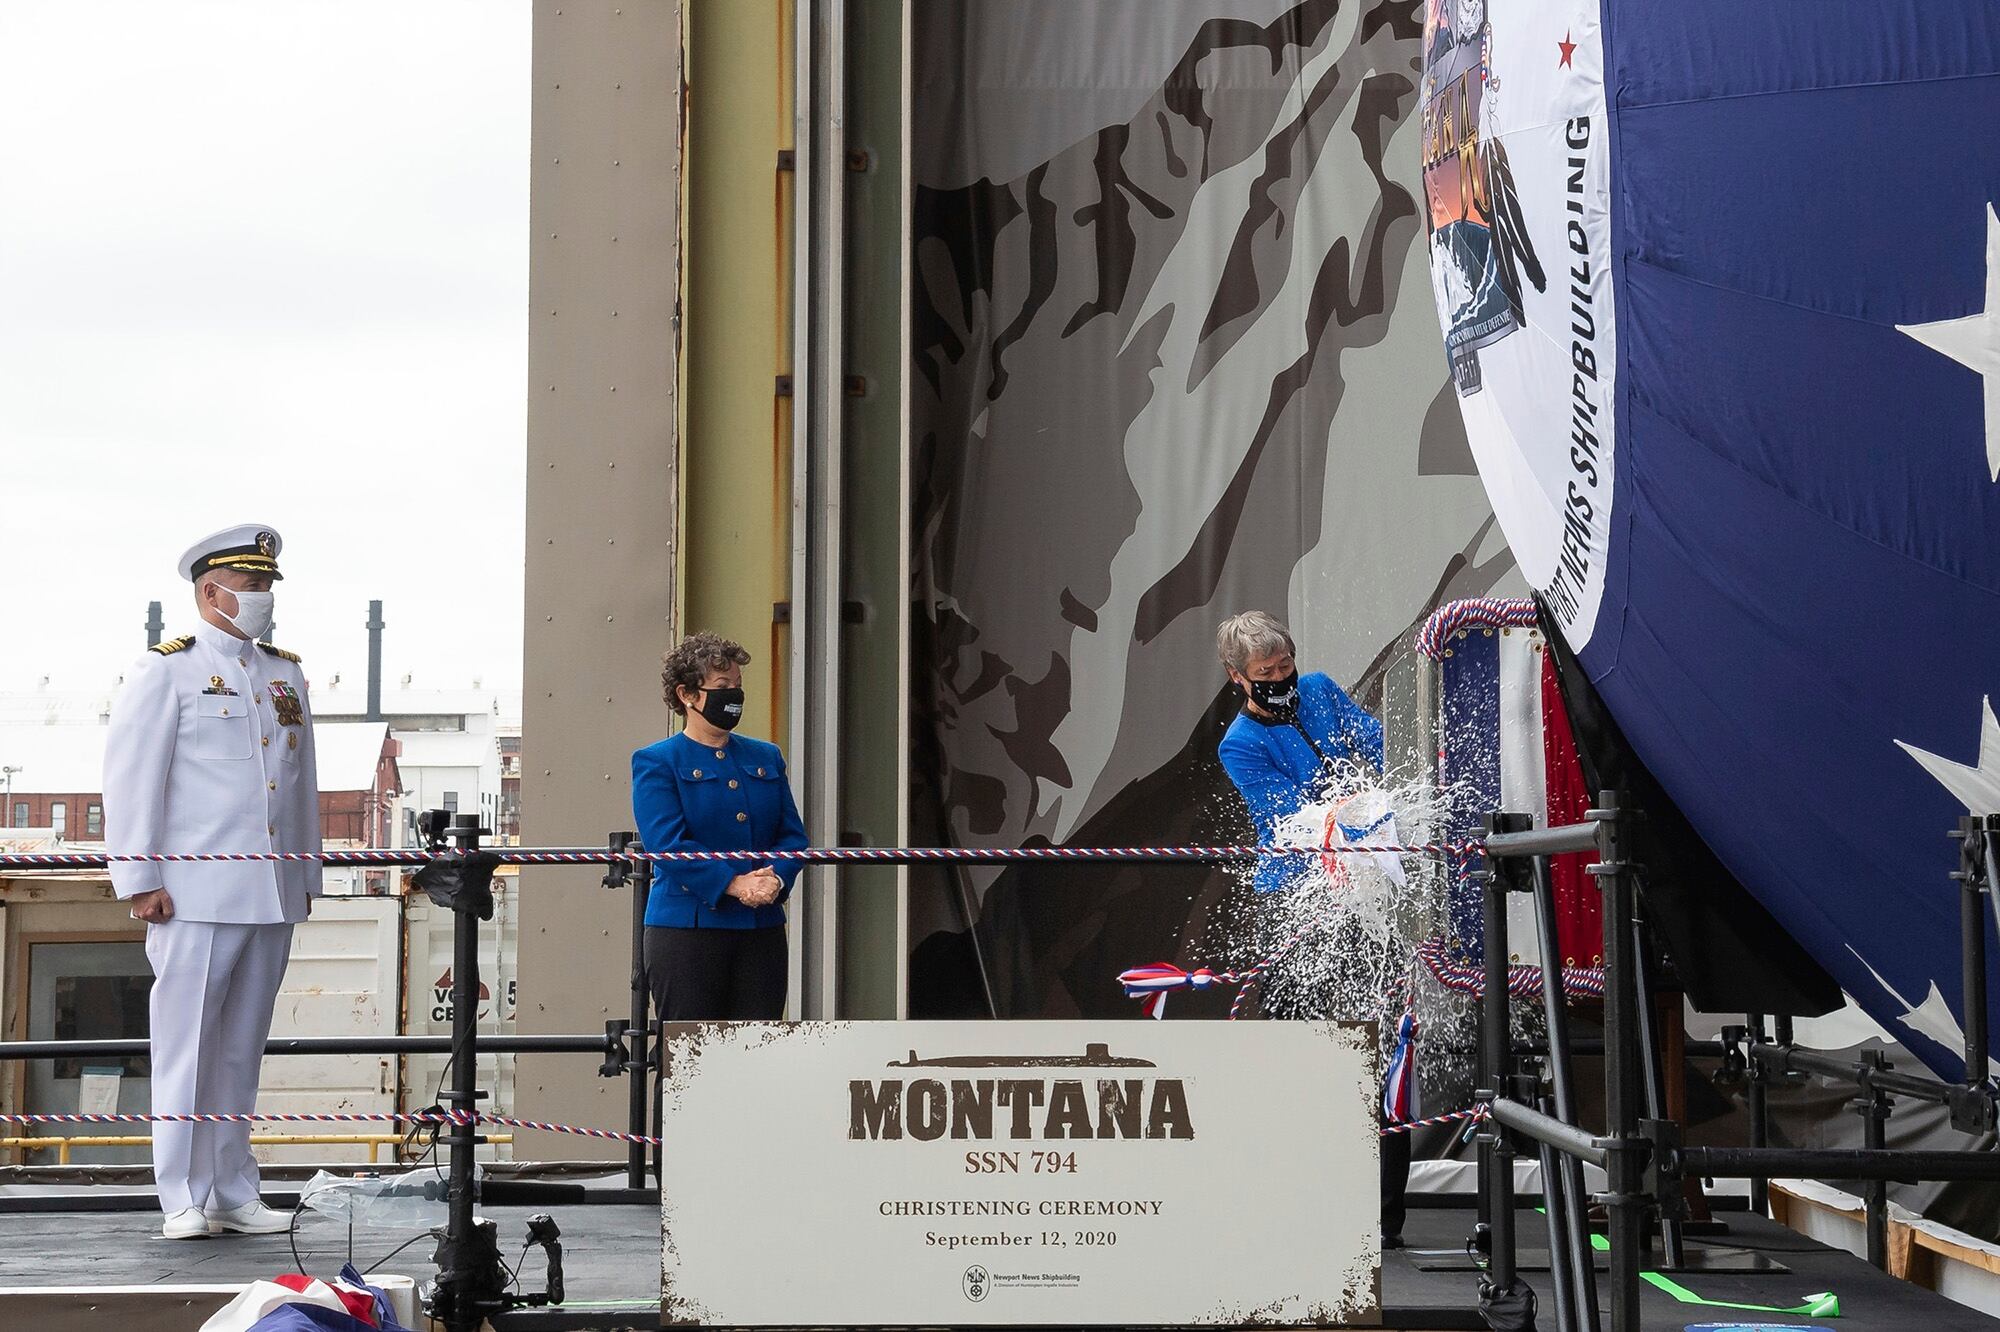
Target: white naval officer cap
[[251, 547]]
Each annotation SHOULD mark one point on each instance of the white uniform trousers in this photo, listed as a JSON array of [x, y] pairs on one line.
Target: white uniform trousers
[[214, 986]]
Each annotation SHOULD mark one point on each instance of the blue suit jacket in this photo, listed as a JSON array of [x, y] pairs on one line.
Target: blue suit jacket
[[689, 797], [1278, 772]]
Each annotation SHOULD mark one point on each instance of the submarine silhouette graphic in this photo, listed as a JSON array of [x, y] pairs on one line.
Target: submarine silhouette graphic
[[1095, 1055]]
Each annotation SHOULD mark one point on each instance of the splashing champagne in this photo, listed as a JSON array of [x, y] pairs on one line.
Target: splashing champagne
[[1366, 913]]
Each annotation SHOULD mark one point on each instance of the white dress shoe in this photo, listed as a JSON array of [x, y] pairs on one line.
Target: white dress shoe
[[188, 1223], [252, 1218]]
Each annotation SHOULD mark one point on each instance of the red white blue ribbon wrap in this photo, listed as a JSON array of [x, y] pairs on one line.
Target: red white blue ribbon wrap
[[1151, 984], [1472, 613], [1399, 1084]]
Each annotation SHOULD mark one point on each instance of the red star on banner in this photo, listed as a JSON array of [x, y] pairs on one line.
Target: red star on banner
[[1568, 50]]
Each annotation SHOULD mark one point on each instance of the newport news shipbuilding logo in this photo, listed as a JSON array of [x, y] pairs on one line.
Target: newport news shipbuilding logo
[[928, 1108]]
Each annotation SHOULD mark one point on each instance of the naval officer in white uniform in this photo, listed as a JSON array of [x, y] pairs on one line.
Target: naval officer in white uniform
[[211, 750]]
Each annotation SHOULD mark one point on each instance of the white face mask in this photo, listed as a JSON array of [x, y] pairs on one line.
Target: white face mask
[[253, 613]]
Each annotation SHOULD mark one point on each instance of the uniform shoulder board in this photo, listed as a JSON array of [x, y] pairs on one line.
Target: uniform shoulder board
[[278, 651], [173, 645]]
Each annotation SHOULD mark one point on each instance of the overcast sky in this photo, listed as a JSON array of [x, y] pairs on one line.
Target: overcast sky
[[264, 261]]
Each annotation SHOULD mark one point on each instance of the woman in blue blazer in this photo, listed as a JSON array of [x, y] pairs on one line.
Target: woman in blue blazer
[[1293, 736], [1285, 750], [715, 931]]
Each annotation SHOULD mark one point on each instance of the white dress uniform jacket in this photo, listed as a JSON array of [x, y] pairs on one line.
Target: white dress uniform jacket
[[211, 750]]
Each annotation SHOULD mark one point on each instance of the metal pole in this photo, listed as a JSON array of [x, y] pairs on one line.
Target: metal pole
[[637, 1059], [819, 156], [1625, 1203], [1562, 1273], [461, 1188], [1836, 1163], [1791, 1059], [1972, 876], [155, 625], [1673, 1252], [1873, 1107], [1543, 841], [1498, 1056], [375, 627], [1517, 1114], [1569, 1183], [658, 1061], [1990, 842], [1759, 1093]]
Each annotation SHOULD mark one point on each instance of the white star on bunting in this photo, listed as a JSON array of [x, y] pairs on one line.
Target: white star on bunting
[[1932, 1018], [1974, 341], [1977, 785]]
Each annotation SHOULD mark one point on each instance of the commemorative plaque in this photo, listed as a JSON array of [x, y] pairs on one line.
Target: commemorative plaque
[[1020, 1173]]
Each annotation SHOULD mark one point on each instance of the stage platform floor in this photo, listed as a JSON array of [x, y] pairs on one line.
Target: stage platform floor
[[1870, 1301], [611, 1254]]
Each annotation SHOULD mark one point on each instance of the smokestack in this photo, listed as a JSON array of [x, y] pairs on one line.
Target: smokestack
[[374, 661], [155, 626]]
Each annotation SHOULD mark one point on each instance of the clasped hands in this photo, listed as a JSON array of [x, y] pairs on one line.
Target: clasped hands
[[760, 887]]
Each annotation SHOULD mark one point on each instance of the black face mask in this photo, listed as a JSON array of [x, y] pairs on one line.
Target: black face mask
[[722, 707], [1280, 698]]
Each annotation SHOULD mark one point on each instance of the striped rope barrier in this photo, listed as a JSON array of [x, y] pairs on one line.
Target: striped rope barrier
[[1477, 1114], [1152, 983], [421, 1118], [445, 1118], [819, 855], [219, 1117], [1523, 981]]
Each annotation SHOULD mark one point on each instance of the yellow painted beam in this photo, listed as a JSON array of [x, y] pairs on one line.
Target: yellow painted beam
[[736, 448]]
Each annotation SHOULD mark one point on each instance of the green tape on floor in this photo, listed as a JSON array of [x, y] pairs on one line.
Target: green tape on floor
[[1823, 1305]]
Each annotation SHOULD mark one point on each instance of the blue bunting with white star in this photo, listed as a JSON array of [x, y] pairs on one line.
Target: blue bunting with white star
[[1786, 587]]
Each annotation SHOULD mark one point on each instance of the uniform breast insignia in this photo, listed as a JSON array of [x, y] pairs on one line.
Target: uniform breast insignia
[[279, 652], [285, 700], [173, 645], [216, 686]]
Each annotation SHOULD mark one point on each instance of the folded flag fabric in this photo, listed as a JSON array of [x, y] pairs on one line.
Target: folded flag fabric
[[294, 1302], [1363, 819]]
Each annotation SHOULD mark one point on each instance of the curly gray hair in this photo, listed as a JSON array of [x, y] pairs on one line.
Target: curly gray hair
[[1241, 639], [687, 665]]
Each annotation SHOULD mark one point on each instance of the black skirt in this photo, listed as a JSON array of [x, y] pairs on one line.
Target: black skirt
[[716, 975]]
